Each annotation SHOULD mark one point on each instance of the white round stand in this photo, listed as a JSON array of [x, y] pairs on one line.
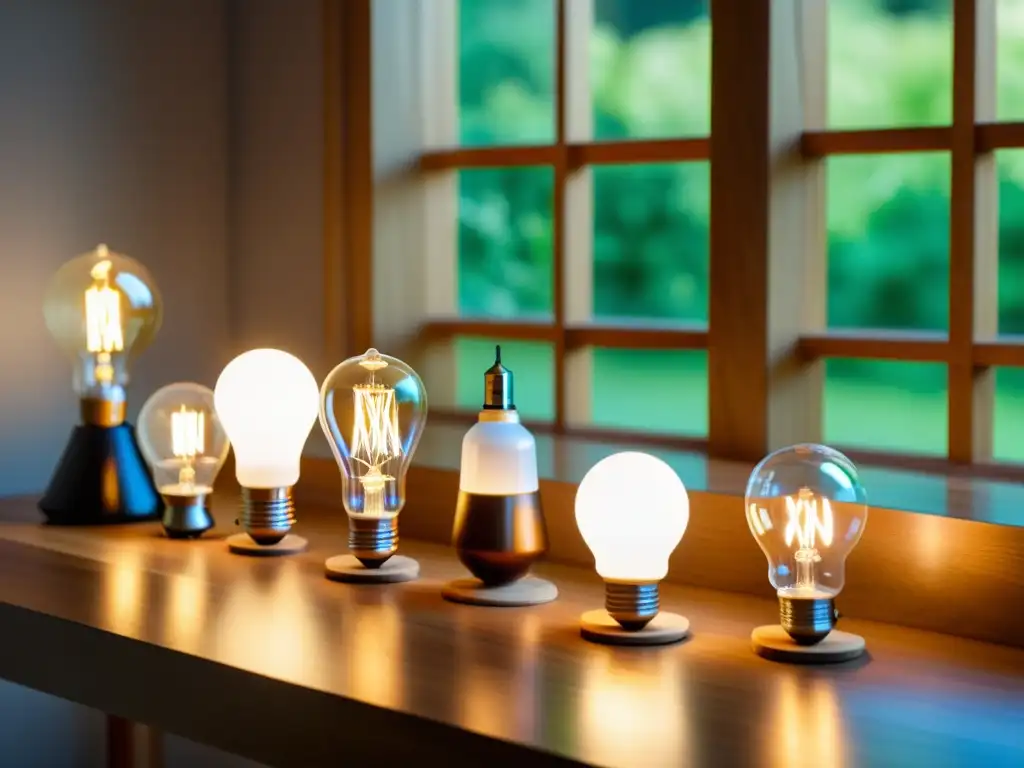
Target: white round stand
[[528, 590], [599, 627], [394, 570], [242, 544], [772, 642]]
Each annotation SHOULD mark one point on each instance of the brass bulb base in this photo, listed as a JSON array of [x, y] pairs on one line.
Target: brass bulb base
[[631, 604], [103, 411], [186, 516], [372, 540], [807, 620], [267, 514]]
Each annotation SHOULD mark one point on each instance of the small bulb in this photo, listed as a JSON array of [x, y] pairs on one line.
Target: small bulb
[[267, 401], [806, 509], [186, 446], [632, 510]]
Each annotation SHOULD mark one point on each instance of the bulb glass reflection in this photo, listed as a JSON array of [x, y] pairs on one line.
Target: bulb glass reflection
[[632, 511], [807, 509], [182, 439], [103, 309], [267, 401], [373, 409]]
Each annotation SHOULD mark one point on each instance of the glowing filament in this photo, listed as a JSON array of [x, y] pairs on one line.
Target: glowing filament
[[188, 439], [375, 437], [805, 524], [103, 332]]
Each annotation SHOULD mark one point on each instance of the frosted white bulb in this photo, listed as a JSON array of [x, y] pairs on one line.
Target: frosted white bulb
[[267, 401], [632, 510], [806, 509]]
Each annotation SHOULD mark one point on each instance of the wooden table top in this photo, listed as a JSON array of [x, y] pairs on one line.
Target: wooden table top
[[265, 658]]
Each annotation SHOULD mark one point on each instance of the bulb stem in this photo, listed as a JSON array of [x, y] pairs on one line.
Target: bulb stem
[[807, 620], [267, 514], [632, 604], [103, 408], [372, 540]]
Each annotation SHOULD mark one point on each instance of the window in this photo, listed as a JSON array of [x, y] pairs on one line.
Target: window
[[833, 252]]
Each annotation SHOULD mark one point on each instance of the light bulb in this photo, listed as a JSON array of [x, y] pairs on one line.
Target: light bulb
[[632, 510], [373, 408], [267, 401], [103, 309], [807, 509], [185, 445]]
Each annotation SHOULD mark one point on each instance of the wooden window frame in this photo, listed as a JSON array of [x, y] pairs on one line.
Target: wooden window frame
[[766, 337]]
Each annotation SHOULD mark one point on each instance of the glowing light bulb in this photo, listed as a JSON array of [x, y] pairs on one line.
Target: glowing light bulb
[[186, 446], [267, 401], [807, 509], [103, 309], [373, 409], [632, 510]]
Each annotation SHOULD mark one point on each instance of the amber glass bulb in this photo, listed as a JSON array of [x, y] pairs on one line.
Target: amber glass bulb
[[103, 309]]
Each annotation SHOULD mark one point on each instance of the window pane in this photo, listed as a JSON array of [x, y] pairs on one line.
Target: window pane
[[505, 223], [532, 365], [506, 72], [887, 406], [650, 69], [651, 241], [662, 391], [1010, 166], [1010, 60], [1009, 415], [890, 63], [888, 241]]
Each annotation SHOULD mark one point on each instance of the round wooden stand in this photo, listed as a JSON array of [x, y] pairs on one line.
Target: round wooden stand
[[599, 627], [528, 590], [772, 642], [394, 570], [242, 544]]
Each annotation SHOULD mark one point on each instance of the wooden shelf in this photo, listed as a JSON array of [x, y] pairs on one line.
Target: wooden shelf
[[266, 658]]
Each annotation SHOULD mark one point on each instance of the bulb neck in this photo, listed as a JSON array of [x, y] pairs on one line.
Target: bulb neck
[[103, 409], [632, 604], [267, 514], [372, 540], [186, 516], [807, 620]]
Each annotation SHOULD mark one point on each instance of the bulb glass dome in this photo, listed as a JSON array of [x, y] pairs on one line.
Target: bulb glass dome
[[267, 401], [373, 409], [807, 509], [103, 309], [632, 511], [182, 439]]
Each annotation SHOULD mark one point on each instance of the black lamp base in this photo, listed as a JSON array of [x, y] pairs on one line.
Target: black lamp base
[[101, 478]]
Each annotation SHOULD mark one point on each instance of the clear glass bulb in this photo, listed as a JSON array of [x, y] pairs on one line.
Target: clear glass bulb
[[632, 511], [807, 509], [103, 309], [267, 401], [373, 409], [182, 439]]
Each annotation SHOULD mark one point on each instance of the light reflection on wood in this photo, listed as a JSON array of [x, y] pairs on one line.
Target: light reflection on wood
[[805, 726], [376, 662], [186, 607], [633, 708], [125, 592]]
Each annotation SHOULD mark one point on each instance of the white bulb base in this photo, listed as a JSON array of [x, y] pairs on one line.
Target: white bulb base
[[267, 514], [632, 604], [186, 516], [807, 620], [372, 540]]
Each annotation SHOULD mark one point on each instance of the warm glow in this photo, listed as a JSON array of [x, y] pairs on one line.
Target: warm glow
[[375, 435], [804, 522], [632, 510], [188, 433], [103, 331]]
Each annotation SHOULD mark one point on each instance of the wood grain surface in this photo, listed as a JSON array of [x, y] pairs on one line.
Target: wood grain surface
[[266, 658]]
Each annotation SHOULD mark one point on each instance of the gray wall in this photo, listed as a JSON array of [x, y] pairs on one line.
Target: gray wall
[[188, 134]]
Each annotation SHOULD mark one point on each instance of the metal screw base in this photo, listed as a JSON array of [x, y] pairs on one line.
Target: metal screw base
[[807, 620], [631, 604], [186, 517], [372, 540], [267, 514]]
